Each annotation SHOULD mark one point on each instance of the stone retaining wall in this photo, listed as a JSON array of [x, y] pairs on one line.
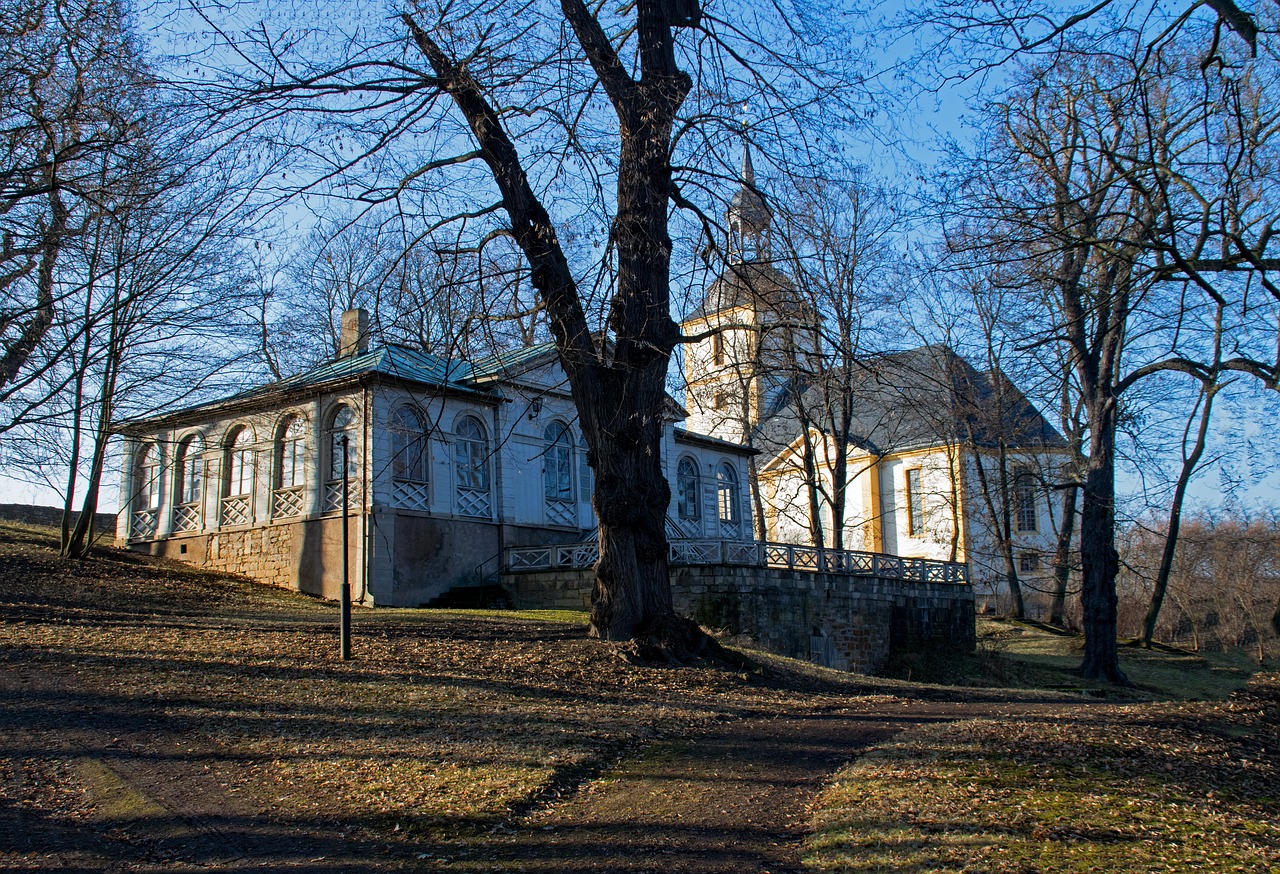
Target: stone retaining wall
[[303, 555], [851, 623]]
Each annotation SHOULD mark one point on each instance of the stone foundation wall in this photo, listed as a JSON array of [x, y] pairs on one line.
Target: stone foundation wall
[[303, 555], [844, 622]]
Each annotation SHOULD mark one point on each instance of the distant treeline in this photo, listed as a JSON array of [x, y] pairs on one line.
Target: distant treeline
[[1224, 587]]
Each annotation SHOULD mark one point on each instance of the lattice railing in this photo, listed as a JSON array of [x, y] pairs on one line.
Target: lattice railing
[[186, 517], [286, 503], [333, 496], [750, 553], [474, 503], [410, 496], [237, 510], [144, 524], [562, 513]]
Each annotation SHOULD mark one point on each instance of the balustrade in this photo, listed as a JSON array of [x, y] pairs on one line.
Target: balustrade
[[286, 502], [747, 553], [186, 517]]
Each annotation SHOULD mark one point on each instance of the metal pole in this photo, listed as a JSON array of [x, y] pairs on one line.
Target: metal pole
[[344, 622]]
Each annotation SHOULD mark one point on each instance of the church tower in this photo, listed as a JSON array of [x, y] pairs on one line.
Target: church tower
[[758, 328]]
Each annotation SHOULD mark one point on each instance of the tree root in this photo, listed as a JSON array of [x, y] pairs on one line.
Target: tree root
[[675, 640]]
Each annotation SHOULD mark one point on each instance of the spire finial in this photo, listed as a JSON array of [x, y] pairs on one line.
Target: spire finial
[[748, 171]]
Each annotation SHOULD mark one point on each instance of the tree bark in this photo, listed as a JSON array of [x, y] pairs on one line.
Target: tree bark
[[28, 339], [1099, 560]]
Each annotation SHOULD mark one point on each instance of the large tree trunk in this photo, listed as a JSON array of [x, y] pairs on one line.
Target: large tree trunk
[[81, 539], [632, 585], [15, 355], [1099, 560], [620, 392], [839, 490]]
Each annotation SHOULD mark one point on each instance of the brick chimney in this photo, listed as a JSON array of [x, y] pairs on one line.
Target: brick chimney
[[355, 333]]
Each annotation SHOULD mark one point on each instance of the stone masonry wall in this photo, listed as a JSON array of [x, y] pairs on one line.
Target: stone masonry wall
[[303, 555], [844, 622]]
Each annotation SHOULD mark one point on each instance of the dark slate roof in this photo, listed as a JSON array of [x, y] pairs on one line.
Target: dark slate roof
[[912, 400], [757, 284], [748, 203]]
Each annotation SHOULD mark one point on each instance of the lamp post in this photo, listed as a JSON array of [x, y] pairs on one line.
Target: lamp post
[[344, 600]]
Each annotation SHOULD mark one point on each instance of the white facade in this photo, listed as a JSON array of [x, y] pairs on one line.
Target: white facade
[[441, 477]]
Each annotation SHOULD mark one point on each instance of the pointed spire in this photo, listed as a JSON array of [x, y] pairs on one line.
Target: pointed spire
[[749, 216]]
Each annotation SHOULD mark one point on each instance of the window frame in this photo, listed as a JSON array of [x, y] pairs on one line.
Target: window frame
[[147, 478], [1026, 501], [694, 487], [1029, 562], [730, 487], [558, 458], [471, 471], [410, 452], [291, 445], [239, 460], [333, 445], [914, 500], [189, 487]]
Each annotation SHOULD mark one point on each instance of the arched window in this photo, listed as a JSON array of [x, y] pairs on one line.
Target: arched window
[[409, 460], [557, 475], [291, 452], [344, 439], [147, 490], [290, 463], [237, 480], [190, 484], [727, 494], [190, 470], [688, 502], [408, 446], [343, 426], [471, 466]]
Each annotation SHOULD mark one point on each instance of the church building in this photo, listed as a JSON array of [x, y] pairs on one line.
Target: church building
[[937, 452]]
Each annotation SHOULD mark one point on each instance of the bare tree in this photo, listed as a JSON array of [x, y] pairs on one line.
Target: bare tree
[[69, 80], [516, 97], [838, 238], [1095, 185]]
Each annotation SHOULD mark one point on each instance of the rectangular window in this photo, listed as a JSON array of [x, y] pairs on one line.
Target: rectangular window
[[915, 502], [717, 349], [1029, 562], [240, 478], [1024, 500]]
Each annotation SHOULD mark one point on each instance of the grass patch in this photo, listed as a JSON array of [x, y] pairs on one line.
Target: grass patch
[[1023, 655], [1173, 787]]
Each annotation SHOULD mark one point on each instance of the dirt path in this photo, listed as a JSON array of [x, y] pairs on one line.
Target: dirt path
[[138, 791], [732, 799]]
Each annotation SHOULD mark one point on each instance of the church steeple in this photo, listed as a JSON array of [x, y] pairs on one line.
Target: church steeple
[[749, 217]]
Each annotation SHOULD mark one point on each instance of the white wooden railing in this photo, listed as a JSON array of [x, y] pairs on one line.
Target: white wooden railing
[[748, 553]]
